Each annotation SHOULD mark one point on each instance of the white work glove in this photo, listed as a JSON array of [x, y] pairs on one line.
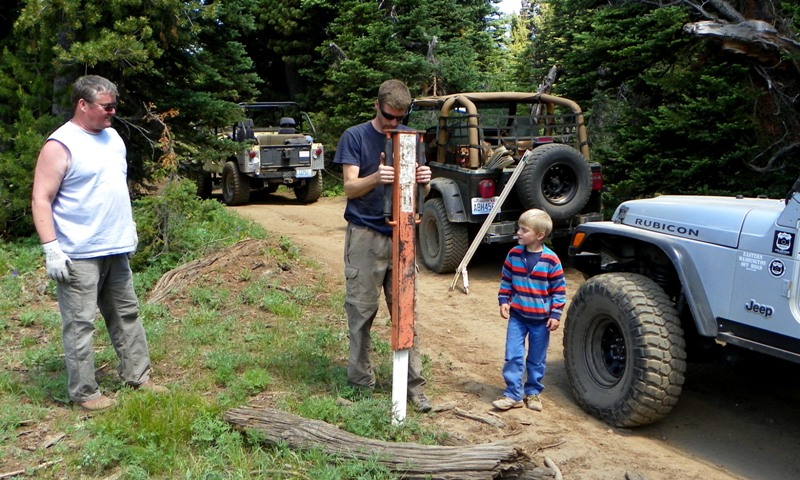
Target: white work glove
[[57, 262], [135, 245]]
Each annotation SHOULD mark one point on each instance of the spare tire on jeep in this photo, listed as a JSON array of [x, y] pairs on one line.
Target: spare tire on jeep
[[557, 179]]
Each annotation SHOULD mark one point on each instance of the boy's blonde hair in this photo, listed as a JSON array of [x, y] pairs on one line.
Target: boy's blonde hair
[[537, 220]]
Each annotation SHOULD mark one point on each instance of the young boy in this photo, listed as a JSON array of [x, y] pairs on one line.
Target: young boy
[[532, 296]]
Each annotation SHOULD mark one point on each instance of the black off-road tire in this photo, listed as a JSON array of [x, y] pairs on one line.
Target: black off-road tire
[[311, 190], [624, 349], [205, 185], [235, 185], [443, 243], [557, 179]]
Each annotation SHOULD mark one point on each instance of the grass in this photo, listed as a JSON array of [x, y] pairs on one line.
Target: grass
[[271, 335]]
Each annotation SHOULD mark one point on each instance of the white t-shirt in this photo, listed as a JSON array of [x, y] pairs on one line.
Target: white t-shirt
[[92, 209]]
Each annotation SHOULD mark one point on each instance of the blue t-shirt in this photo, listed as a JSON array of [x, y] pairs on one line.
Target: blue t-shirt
[[362, 145]]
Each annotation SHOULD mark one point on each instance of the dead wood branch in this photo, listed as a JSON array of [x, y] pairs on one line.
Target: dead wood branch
[[552, 445], [548, 81], [727, 10], [16, 473], [754, 38], [551, 464], [497, 460], [481, 418], [52, 440], [186, 273], [443, 407]]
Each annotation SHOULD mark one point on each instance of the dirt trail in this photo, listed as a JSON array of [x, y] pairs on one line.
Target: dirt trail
[[729, 424]]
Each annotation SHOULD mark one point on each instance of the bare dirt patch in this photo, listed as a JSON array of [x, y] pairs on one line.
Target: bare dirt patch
[[729, 424]]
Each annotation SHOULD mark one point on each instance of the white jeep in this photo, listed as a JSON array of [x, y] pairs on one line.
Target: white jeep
[[671, 278], [277, 148]]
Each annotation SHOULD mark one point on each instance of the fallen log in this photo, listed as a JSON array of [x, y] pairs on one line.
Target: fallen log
[[497, 460]]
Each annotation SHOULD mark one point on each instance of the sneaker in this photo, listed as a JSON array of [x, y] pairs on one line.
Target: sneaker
[[421, 403], [100, 403], [150, 386], [505, 403], [533, 402]]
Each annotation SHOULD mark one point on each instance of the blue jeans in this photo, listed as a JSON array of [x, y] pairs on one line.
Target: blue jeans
[[515, 363]]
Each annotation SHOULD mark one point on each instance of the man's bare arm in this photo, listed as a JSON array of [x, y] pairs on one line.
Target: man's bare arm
[[355, 187], [51, 166]]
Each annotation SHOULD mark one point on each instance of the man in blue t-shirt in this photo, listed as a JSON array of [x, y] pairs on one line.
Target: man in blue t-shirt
[[368, 242]]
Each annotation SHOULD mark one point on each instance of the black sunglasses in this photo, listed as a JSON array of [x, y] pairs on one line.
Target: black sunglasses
[[392, 117], [108, 107]]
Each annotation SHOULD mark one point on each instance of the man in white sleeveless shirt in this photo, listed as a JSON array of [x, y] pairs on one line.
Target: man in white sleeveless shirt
[[82, 212]]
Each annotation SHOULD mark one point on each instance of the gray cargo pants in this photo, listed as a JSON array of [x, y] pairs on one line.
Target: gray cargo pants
[[105, 283], [367, 270]]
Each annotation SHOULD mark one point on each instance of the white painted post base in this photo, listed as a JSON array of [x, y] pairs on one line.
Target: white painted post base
[[399, 385]]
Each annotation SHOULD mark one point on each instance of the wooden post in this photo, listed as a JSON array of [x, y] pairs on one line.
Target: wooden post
[[403, 218]]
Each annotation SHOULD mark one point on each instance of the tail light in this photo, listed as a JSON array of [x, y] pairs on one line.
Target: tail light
[[486, 188], [597, 177], [252, 154], [542, 140], [317, 152]]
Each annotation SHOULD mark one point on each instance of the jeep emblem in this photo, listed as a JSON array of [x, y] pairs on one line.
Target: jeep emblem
[[754, 307]]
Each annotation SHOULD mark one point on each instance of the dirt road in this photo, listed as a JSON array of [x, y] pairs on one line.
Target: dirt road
[[730, 423]]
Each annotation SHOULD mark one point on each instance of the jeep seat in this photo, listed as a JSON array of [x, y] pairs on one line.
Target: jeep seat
[[288, 126]]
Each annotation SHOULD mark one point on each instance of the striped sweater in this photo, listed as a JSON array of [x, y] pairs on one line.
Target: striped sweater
[[538, 296]]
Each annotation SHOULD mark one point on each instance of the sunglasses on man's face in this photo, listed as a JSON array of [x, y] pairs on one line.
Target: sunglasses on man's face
[[108, 107], [390, 117]]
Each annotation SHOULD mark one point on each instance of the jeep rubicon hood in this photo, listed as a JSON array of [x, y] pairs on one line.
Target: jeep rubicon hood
[[717, 220]]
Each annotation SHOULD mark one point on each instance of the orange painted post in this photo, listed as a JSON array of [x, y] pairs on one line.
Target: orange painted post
[[403, 145]]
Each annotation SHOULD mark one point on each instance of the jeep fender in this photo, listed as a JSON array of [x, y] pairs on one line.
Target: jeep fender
[[676, 252], [447, 189]]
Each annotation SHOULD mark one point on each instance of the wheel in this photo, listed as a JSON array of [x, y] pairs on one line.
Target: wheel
[[624, 349], [557, 180], [311, 190], [235, 186], [204, 185], [442, 242]]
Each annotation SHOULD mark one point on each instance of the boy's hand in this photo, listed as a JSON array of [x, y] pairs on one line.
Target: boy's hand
[[504, 310], [552, 324]]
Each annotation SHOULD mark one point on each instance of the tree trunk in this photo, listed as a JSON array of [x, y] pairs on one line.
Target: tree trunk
[[497, 460]]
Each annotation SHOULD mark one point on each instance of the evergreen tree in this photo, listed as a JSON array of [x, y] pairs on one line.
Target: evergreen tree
[[178, 66], [668, 112], [435, 47]]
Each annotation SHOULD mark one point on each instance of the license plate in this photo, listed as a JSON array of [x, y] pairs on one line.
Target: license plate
[[305, 173], [482, 206], [304, 154]]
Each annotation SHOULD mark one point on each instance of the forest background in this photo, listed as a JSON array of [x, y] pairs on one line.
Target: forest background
[[680, 96]]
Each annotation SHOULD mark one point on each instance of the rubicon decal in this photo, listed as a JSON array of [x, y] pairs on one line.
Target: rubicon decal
[[667, 227], [754, 307]]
